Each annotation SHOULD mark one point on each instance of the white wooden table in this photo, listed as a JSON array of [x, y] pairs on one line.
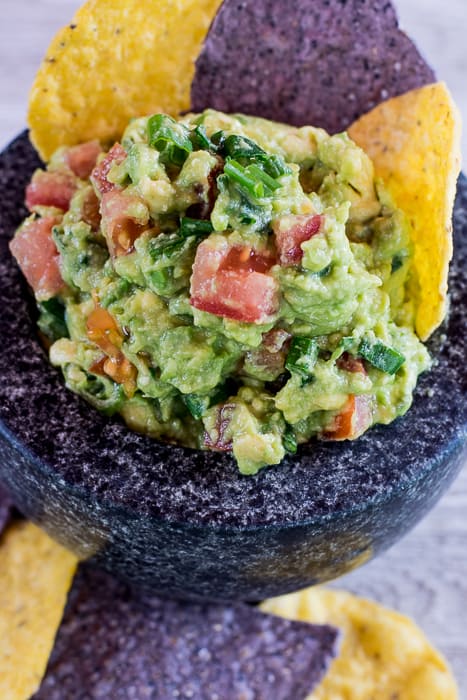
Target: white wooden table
[[424, 575]]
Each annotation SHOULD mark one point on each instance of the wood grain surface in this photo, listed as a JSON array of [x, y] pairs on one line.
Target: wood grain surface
[[424, 575]]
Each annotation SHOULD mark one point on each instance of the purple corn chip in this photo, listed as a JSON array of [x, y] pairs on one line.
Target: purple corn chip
[[318, 62], [123, 644]]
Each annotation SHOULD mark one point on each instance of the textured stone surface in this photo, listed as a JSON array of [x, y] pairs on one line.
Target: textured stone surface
[[116, 643], [236, 69], [185, 522], [6, 509]]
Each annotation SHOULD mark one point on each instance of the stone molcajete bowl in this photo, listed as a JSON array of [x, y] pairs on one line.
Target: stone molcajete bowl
[[184, 522]]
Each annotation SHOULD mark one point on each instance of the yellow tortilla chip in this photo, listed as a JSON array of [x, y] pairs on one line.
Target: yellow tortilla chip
[[383, 654], [415, 143], [118, 59], [35, 576]]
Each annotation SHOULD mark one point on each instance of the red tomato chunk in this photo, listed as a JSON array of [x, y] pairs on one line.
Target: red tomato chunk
[[115, 156], [290, 238], [233, 282], [50, 189], [36, 254], [82, 159], [354, 419], [121, 229]]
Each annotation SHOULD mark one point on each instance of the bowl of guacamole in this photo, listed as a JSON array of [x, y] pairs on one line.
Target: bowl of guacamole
[[197, 395], [225, 283]]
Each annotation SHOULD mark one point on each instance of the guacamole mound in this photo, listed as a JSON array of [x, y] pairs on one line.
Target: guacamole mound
[[225, 282]]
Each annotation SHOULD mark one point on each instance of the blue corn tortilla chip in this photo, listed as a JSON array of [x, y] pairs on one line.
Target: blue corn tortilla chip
[[118, 643], [6, 509], [319, 62]]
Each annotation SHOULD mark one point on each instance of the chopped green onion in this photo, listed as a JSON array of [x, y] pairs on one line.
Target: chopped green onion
[[195, 227], [241, 176], [275, 166], [242, 147], [266, 179], [218, 139], [302, 356], [165, 247], [197, 405], [289, 440], [381, 356], [170, 138], [201, 140]]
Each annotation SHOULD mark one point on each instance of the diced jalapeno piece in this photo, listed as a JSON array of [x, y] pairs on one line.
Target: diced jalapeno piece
[[289, 440], [302, 356], [381, 356], [195, 227], [171, 139]]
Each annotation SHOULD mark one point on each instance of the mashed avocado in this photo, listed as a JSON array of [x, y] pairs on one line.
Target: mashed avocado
[[231, 283]]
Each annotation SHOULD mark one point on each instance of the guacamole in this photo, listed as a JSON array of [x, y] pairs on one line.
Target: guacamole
[[225, 282]]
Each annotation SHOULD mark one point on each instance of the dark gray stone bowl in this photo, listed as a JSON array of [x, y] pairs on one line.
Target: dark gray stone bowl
[[185, 523]]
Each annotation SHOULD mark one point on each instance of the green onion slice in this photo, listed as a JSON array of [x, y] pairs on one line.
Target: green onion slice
[[195, 227], [302, 356], [170, 138], [381, 356]]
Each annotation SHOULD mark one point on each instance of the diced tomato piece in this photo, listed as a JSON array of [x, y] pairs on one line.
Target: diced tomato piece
[[37, 256], [97, 367], [115, 156], [53, 188], [102, 329], [232, 282], [82, 159], [349, 363], [218, 439], [245, 259], [119, 224], [353, 420], [291, 232]]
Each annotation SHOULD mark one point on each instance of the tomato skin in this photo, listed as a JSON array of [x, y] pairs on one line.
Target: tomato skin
[[353, 420], [115, 156], [120, 228], [103, 330], [289, 240], [82, 159], [50, 189], [37, 256], [232, 282]]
